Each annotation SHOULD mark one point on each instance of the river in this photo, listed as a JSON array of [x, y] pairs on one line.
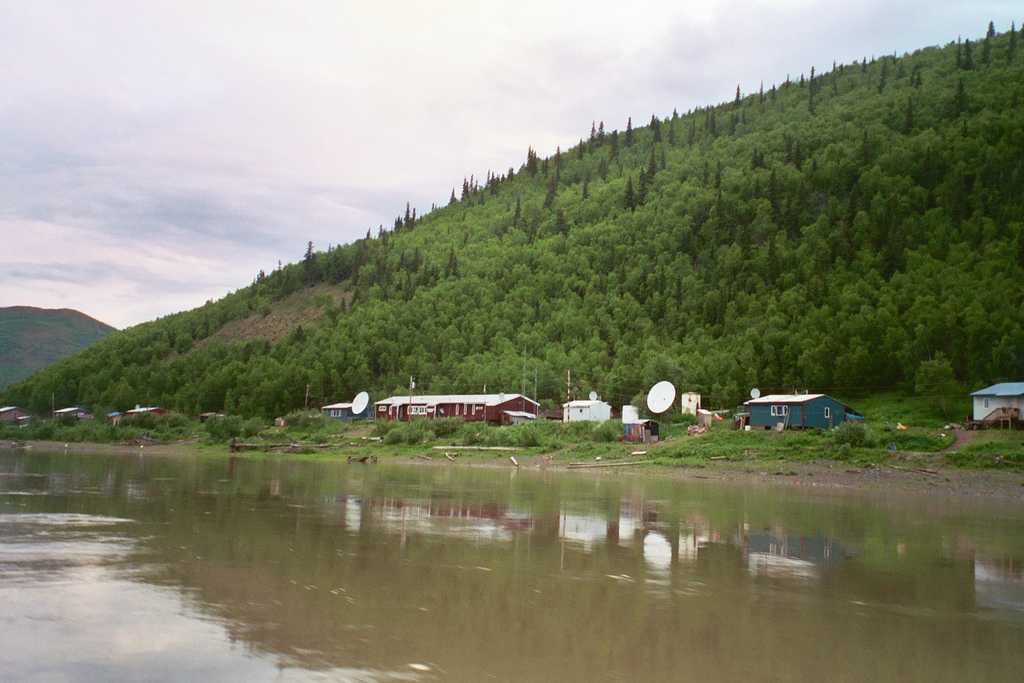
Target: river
[[214, 568]]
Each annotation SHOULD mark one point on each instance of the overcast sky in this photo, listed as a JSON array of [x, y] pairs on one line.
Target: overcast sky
[[154, 155]]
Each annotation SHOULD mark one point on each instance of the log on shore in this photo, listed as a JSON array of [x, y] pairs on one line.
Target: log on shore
[[581, 466]]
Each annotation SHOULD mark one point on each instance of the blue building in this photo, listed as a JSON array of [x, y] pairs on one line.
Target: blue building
[[343, 411], [799, 411]]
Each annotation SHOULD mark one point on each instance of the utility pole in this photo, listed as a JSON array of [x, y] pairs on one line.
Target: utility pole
[[408, 408], [305, 403], [522, 387], [568, 385], [535, 383]]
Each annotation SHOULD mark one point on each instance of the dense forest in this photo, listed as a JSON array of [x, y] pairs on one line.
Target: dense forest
[[832, 232]]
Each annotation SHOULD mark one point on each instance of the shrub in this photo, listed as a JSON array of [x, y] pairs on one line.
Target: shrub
[[851, 434], [445, 426], [607, 431]]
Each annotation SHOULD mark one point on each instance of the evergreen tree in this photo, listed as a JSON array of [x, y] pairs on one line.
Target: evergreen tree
[[613, 144], [1011, 49], [672, 130], [960, 99], [884, 77], [549, 198], [452, 269], [629, 132], [452, 199], [736, 102], [652, 165], [967, 62], [584, 192], [908, 116], [656, 128], [580, 149], [561, 224], [518, 213], [629, 201], [986, 47]]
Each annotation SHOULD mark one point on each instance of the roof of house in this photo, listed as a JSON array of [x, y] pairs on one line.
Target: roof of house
[[7, 408], [583, 403], [1003, 389], [436, 399], [141, 409], [65, 411], [520, 413], [783, 398], [337, 406]]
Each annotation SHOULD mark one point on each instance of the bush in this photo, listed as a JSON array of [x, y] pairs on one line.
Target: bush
[[850, 434], [607, 431], [445, 426]]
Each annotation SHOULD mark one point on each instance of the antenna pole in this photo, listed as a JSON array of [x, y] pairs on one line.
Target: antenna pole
[[568, 385], [408, 408], [522, 387]]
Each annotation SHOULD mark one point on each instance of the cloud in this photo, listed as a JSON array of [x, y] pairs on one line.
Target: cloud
[[161, 153]]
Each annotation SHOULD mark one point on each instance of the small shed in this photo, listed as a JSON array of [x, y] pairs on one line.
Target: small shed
[[343, 411], [514, 417], [586, 411], [12, 414], [799, 411], [998, 402], [72, 413], [641, 431]]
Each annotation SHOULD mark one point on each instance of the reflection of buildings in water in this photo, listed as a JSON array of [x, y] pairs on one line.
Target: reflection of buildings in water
[[583, 529], [799, 557], [657, 552], [482, 521], [999, 583]]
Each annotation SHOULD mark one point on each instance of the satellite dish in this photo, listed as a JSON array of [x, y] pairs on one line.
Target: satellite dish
[[661, 396], [359, 402], [755, 393], [593, 395]]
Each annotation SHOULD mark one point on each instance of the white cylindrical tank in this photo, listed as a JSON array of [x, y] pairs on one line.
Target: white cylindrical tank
[[630, 414]]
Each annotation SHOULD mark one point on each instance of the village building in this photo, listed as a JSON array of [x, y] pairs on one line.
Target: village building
[[640, 431], [72, 413], [593, 410], [343, 411], [799, 411], [144, 410], [493, 408], [999, 403], [13, 414]]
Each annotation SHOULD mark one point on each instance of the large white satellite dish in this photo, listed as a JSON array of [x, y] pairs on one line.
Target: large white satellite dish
[[661, 396], [593, 395], [359, 402], [755, 393]]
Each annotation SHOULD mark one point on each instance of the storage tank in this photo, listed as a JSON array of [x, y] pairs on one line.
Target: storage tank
[[630, 414]]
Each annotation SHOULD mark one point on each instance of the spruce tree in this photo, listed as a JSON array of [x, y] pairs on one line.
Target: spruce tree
[[584, 192], [641, 187], [652, 165], [629, 132], [549, 198], [656, 128], [736, 102], [968, 59], [629, 201], [452, 199], [986, 47], [517, 214], [908, 116], [960, 99], [1011, 49], [561, 225]]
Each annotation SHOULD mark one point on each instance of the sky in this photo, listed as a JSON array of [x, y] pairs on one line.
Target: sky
[[157, 155]]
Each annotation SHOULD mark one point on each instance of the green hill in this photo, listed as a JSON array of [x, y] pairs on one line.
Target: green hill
[[33, 338], [830, 233]]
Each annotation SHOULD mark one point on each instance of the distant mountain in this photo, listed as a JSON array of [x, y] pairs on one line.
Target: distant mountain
[[32, 338]]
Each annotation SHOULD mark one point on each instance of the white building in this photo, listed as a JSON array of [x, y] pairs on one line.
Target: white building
[[1008, 395], [586, 411], [689, 402]]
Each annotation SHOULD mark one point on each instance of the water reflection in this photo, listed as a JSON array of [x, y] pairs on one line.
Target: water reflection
[[377, 573]]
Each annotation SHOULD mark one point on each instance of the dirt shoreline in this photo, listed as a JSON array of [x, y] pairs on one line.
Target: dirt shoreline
[[823, 476]]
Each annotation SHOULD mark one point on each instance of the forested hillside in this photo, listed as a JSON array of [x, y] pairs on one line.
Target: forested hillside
[[829, 232], [32, 338]]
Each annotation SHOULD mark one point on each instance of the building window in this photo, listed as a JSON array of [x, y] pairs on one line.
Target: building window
[[418, 410], [986, 403], [780, 411], [828, 413]]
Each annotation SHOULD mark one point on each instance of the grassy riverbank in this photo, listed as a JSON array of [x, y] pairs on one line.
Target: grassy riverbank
[[926, 442]]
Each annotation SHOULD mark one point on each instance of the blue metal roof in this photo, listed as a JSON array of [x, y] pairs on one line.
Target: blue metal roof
[[1004, 389]]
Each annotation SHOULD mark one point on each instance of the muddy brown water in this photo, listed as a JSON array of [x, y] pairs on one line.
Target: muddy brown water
[[192, 568]]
